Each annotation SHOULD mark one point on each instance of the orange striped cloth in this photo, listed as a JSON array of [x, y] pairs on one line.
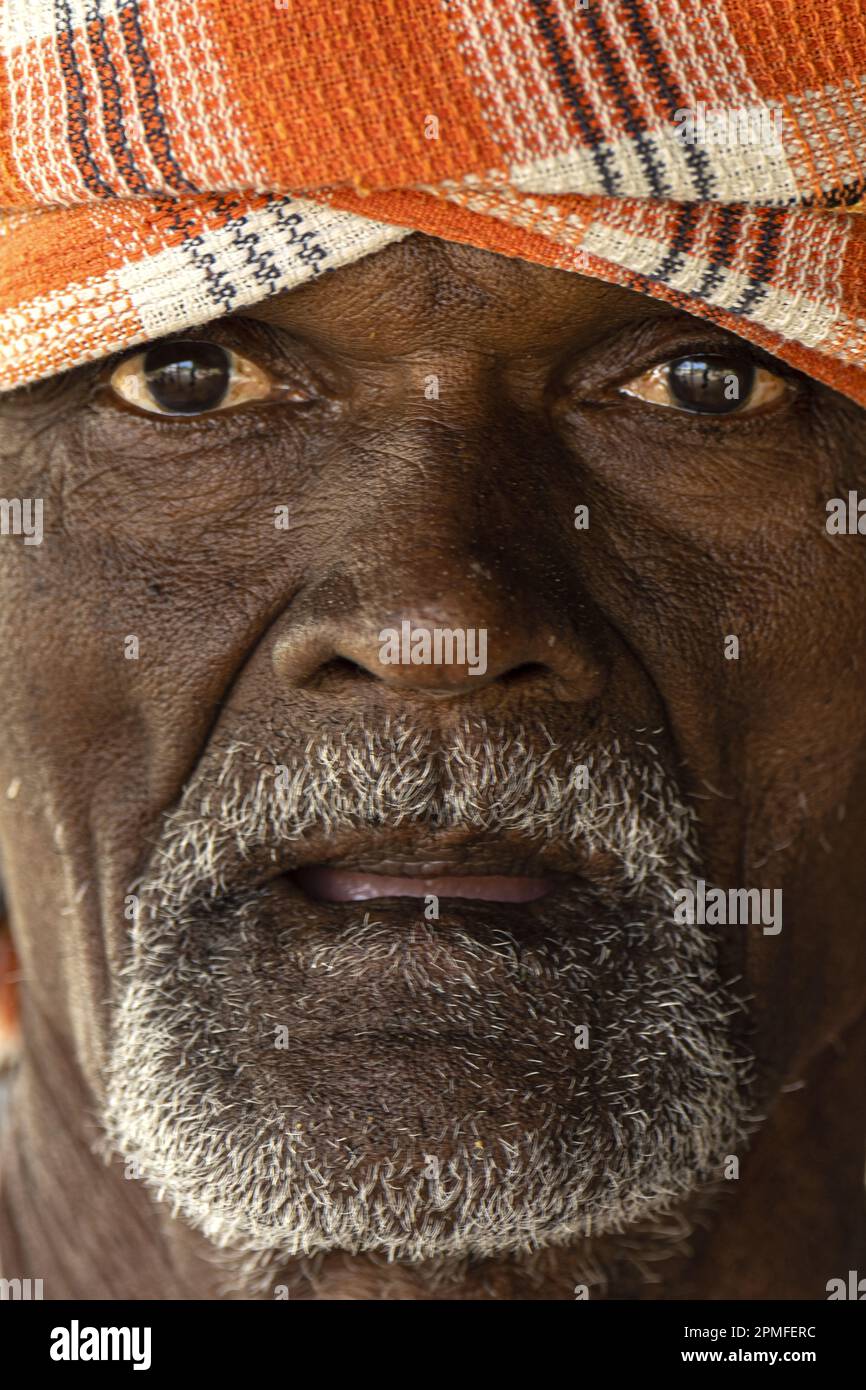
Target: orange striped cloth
[[163, 162]]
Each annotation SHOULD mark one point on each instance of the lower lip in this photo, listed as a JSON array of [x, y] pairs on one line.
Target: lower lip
[[349, 886]]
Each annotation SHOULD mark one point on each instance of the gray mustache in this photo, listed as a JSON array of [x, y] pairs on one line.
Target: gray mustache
[[482, 779]]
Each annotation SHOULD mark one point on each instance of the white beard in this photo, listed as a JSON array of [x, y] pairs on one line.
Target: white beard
[[659, 1096]]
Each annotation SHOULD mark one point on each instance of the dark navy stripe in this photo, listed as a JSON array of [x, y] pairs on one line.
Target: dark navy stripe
[[222, 291], [697, 160], [635, 120], [674, 260], [762, 265], [76, 104], [294, 234], [311, 251], [845, 197], [723, 250], [259, 260], [112, 105], [147, 95], [566, 76], [221, 294]]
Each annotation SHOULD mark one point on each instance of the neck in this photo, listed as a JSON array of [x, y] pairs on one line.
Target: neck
[[794, 1218]]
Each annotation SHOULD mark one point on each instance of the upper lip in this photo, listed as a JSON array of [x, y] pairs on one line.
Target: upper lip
[[434, 868]]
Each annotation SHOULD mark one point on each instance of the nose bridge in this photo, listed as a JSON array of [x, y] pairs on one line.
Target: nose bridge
[[446, 593], [449, 477], [442, 545]]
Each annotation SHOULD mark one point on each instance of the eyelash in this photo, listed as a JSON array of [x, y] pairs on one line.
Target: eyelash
[[704, 348]]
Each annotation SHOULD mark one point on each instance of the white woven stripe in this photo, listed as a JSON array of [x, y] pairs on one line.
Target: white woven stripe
[[59, 324], [672, 161], [96, 138], [797, 317], [17, 62], [848, 342], [26, 20], [233, 137], [23, 27], [745, 173], [626, 159], [529, 110], [824, 117], [725, 82], [161, 36], [133, 125], [670, 154], [170, 290], [590, 78], [476, 56], [542, 109], [754, 174], [701, 35]]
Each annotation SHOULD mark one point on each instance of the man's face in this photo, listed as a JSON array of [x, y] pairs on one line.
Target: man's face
[[369, 952]]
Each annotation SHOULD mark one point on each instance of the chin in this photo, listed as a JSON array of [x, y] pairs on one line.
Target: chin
[[505, 1079]]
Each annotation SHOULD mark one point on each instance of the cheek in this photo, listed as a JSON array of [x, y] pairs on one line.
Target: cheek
[[130, 619], [714, 566], [712, 553], [135, 482]]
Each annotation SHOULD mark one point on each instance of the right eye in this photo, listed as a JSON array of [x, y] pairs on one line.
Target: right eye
[[189, 377], [729, 383]]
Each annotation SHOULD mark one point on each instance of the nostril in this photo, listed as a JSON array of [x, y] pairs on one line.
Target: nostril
[[339, 671], [522, 675]]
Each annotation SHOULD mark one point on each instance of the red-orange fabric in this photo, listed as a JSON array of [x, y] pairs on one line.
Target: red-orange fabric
[[162, 163]]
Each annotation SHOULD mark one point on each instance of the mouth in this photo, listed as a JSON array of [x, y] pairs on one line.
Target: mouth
[[365, 904], [453, 867], [437, 896], [361, 865], [329, 884]]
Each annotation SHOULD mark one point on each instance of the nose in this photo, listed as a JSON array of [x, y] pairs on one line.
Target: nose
[[434, 651], [478, 600], [492, 633]]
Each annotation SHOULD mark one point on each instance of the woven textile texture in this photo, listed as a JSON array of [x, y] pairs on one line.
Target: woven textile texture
[[163, 162]]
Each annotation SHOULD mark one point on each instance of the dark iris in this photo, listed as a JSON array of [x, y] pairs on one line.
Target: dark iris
[[711, 385], [186, 377]]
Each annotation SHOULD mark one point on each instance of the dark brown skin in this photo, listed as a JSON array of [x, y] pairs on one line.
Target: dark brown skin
[[700, 527]]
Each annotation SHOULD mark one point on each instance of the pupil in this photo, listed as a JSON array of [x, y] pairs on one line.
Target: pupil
[[187, 377], [711, 385]]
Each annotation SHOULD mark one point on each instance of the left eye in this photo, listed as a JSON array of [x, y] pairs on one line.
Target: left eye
[[189, 377], [708, 385]]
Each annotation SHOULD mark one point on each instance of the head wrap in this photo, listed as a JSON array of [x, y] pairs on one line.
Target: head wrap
[[163, 162]]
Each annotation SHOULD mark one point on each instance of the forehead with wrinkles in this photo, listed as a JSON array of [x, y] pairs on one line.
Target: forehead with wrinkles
[[423, 286]]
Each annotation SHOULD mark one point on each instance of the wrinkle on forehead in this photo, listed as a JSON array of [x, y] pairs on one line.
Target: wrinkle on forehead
[[426, 286]]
